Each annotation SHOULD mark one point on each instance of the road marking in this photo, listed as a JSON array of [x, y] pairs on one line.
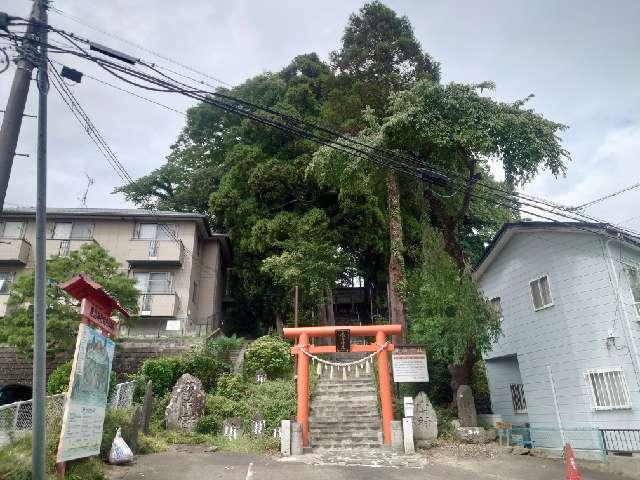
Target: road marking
[[249, 472]]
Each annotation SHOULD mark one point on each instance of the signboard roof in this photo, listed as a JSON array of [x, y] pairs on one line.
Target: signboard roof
[[82, 286]]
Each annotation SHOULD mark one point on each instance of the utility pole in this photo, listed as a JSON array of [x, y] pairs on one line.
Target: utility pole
[[12, 120], [40, 320]]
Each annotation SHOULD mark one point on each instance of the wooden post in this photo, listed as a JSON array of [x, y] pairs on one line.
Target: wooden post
[[386, 401], [147, 406], [302, 415]]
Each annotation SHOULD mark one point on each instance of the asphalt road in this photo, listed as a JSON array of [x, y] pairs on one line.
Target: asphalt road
[[193, 462]]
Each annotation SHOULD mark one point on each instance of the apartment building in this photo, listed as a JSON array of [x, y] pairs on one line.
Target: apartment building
[[179, 264]]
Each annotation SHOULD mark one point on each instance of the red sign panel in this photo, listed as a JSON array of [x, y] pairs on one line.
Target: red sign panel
[[97, 316]]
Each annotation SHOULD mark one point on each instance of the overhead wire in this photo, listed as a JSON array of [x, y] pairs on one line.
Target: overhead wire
[[95, 135], [294, 129], [345, 144]]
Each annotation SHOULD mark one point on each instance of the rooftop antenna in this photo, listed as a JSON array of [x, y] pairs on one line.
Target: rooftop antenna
[[83, 198]]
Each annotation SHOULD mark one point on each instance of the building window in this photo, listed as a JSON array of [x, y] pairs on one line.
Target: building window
[[11, 229], [609, 389], [497, 306], [6, 279], [633, 274], [541, 293], [194, 293], [155, 231], [72, 231], [517, 398], [154, 282]]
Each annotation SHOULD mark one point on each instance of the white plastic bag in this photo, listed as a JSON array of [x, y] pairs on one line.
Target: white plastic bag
[[120, 452]]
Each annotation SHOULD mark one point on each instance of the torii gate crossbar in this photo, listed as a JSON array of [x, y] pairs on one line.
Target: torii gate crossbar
[[380, 332]]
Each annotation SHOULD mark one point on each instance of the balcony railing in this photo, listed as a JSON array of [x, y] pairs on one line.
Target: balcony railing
[[158, 304], [14, 251], [155, 252], [61, 248]]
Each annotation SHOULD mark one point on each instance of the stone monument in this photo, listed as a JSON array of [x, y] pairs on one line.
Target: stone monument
[[466, 407], [258, 424], [232, 427], [186, 404], [425, 421]]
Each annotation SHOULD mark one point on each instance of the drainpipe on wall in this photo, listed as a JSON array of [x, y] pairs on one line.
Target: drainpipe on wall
[[628, 331], [555, 404]]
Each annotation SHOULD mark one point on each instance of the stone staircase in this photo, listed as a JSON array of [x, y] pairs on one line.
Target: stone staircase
[[344, 413]]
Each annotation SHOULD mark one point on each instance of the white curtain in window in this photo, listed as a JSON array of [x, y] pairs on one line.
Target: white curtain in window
[[81, 230], [62, 231], [12, 230]]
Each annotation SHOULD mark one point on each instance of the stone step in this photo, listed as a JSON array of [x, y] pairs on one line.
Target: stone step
[[346, 431], [341, 444], [347, 388], [348, 409], [339, 401]]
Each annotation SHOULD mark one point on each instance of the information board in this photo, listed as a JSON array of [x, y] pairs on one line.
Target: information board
[[84, 410], [409, 364]]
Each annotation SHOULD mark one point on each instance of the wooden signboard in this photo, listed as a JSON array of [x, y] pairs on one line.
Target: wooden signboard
[[95, 315], [343, 340], [504, 426]]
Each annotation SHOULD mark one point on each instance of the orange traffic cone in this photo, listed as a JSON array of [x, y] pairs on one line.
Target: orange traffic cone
[[570, 460]]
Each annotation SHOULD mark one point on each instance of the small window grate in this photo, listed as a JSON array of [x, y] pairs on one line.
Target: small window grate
[[517, 398]]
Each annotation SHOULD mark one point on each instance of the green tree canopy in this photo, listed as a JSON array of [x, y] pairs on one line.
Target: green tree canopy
[[62, 309], [447, 312]]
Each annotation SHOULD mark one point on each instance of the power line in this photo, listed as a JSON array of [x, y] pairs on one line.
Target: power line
[[141, 97], [607, 197], [141, 47], [95, 135], [292, 125]]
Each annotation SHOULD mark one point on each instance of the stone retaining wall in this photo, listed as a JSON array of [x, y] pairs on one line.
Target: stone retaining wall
[[14, 368], [130, 354]]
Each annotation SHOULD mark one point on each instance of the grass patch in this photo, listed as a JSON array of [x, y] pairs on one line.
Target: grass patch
[[15, 462]]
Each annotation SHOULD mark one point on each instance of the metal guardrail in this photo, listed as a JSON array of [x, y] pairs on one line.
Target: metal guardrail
[[621, 440], [16, 418]]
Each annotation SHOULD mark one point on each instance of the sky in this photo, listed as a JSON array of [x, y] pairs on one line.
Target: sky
[[581, 60]]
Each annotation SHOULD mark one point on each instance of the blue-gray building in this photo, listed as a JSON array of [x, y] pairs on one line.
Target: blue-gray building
[[567, 364]]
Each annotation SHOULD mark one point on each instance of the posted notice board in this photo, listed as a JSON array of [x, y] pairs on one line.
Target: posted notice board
[[86, 404], [409, 364]]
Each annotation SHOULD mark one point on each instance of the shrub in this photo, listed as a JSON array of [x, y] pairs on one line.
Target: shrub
[[218, 408], [59, 379], [221, 345], [162, 371], [203, 366], [445, 429], [271, 354], [231, 386], [208, 424], [274, 399]]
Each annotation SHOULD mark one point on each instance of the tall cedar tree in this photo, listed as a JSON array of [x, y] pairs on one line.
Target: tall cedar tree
[[379, 56]]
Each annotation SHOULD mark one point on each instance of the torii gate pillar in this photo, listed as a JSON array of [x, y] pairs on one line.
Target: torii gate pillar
[[380, 332]]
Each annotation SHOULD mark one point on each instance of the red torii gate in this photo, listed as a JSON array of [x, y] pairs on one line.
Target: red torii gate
[[381, 345]]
